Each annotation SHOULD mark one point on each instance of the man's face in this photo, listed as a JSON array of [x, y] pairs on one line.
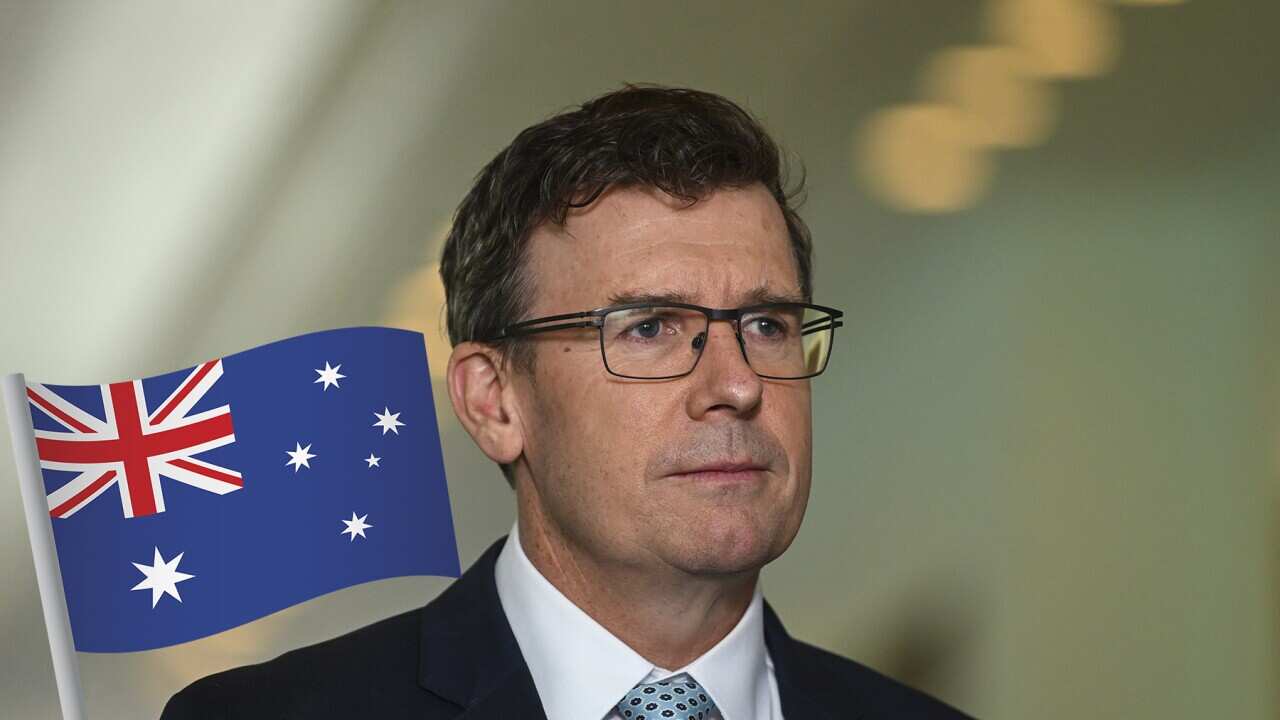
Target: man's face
[[609, 456]]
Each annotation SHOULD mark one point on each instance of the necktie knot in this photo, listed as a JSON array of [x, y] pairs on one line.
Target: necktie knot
[[679, 698]]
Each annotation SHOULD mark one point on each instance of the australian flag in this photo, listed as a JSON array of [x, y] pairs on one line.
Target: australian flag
[[192, 502]]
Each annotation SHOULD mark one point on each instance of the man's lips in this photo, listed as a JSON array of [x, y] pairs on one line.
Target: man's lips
[[723, 471]]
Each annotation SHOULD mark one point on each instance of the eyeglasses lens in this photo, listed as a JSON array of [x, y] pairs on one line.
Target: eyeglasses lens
[[782, 341]]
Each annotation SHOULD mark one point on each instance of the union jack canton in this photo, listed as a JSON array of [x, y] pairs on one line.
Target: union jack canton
[[132, 454]]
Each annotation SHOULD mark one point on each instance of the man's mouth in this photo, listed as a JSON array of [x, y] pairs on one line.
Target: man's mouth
[[723, 472]]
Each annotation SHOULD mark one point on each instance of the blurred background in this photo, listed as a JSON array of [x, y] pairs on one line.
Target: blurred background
[[1047, 454]]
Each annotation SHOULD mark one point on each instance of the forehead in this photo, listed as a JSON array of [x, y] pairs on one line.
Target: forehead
[[728, 249]]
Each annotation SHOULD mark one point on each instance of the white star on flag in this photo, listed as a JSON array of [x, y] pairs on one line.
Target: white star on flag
[[299, 456], [329, 376], [162, 577], [373, 460], [356, 526], [387, 420]]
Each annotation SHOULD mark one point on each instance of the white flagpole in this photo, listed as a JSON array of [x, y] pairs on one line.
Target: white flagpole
[[66, 667]]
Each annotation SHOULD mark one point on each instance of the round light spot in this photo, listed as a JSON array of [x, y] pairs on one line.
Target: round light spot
[[417, 303], [922, 158], [1064, 38], [994, 87]]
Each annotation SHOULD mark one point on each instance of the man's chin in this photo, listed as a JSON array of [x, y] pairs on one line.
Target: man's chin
[[734, 551]]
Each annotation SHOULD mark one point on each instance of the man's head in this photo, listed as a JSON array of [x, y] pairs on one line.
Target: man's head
[[643, 192]]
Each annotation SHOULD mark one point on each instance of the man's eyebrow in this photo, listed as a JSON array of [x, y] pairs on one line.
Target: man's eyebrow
[[758, 295], [627, 297]]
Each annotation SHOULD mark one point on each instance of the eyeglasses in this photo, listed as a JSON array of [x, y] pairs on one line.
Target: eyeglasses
[[648, 341]]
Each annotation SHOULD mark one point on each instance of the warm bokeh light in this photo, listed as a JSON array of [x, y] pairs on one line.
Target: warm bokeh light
[[227, 649], [992, 96], [922, 158], [417, 303], [1064, 38], [994, 87]]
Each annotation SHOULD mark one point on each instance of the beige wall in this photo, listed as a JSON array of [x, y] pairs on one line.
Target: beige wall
[[1046, 454]]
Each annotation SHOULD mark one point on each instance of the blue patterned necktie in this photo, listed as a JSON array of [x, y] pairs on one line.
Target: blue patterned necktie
[[669, 699]]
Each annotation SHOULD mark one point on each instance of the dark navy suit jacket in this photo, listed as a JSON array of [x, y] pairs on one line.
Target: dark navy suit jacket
[[456, 658]]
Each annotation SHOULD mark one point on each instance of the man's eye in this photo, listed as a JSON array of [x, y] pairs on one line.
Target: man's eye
[[653, 327], [769, 327], [647, 328]]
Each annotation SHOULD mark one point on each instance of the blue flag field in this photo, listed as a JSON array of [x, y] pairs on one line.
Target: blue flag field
[[189, 503]]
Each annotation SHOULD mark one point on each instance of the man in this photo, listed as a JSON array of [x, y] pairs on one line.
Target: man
[[629, 299]]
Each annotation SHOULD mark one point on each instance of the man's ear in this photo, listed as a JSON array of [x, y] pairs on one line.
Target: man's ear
[[478, 389]]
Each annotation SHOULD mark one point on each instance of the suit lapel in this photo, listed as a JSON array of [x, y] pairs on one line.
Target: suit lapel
[[514, 697], [468, 654], [799, 699]]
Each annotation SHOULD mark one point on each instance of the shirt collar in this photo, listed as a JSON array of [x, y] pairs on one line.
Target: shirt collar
[[581, 669], [735, 671]]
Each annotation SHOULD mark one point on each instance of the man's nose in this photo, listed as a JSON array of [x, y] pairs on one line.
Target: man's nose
[[722, 377]]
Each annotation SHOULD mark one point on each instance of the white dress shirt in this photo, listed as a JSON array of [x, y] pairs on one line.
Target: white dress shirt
[[581, 670]]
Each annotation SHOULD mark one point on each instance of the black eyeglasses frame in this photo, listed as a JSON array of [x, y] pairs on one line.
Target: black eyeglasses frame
[[732, 315]]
